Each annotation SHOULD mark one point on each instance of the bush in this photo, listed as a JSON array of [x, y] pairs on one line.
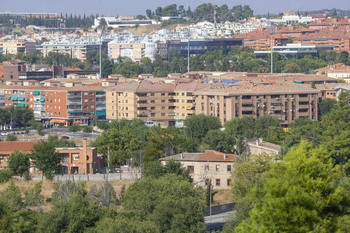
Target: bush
[[5, 175], [11, 138], [88, 129], [74, 128]]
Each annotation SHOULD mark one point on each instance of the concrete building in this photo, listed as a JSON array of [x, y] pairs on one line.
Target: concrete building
[[295, 51], [59, 105], [210, 165], [285, 100], [123, 22], [338, 70], [16, 46]]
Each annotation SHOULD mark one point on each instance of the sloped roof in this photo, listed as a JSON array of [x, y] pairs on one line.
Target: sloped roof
[[10, 147], [215, 156]]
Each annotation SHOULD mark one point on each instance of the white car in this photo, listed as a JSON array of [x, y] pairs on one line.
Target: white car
[[4, 133]]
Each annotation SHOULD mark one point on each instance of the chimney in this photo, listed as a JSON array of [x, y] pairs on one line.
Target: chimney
[[85, 145], [225, 156]]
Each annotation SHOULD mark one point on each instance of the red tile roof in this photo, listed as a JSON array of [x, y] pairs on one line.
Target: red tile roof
[[215, 156], [10, 147]]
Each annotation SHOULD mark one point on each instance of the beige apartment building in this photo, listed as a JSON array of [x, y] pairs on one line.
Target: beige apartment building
[[135, 51], [170, 104], [16, 46], [285, 100]]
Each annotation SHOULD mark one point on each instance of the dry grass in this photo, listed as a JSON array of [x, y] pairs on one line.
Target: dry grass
[[48, 188], [223, 196]]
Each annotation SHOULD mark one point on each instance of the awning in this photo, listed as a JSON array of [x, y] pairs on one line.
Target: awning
[[92, 113], [14, 98], [189, 107], [27, 99], [61, 121], [101, 113], [21, 98], [78, 122], [8, 97], [42, 99], [75, 112], [50, 100], [21, 104], [36, 92]]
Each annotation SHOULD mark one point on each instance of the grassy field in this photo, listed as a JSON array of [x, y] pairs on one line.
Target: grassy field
[[223, 196]]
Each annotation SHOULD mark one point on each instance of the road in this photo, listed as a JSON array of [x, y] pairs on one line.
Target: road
[[216, 222]]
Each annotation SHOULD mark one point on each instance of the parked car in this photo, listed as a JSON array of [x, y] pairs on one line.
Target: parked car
[[4, 133], [64, 137]]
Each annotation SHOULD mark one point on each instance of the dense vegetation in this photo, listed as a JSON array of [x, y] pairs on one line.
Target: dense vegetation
[[238, 59]]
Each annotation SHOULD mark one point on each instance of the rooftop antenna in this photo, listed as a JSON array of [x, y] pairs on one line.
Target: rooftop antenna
[[272, 30]]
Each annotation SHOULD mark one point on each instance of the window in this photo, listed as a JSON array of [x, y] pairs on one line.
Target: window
[[163, 107], [75, 156], [229, 168], [86, 93], [91, 100], [206, 182], [92, 106], [163, 114], [217, 182], [152, 94], [206, 168], [152, 101], [85, 100], [228, 182], [153, 114], [190, 169], [163, 101], [217, 168]]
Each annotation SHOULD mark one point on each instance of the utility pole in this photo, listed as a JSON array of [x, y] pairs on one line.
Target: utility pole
[[272, 30], [188, 51], [101, 51]]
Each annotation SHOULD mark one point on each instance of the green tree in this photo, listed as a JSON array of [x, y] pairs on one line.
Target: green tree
[[170, 202], [291, 68], [325, 106], [19, 163], [121, 145], [34, 197], [201, 124], [245, 127], [220, 141], [263, 124], [301, 189], [45, 158]]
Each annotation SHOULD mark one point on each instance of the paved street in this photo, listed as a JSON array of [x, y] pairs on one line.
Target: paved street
[[216, 222]]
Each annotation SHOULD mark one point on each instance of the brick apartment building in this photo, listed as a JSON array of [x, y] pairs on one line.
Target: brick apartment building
[[210, 165], [59, 105], [77, 160]]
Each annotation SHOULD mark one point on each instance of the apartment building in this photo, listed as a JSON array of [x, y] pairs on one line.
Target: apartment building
[[146, 100], [134, 51], [59, 105], [210, 165], [285, 100], [16, 46]]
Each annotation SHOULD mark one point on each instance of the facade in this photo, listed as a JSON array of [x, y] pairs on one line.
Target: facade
[[122, 22], [296, 51], [338, 70], [79, 160], [210, 165], [285, 100], [16, 46], [59, 105]]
